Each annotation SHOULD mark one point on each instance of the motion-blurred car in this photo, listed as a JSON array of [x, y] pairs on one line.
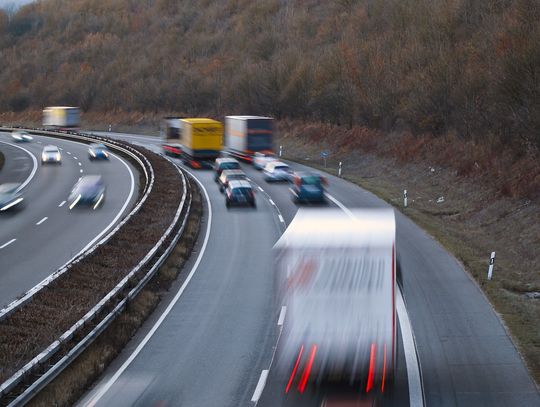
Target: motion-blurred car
[[277, 171], [21, 136], [9, 196], [260, 159], [239, 193], [308, 187], [89, 191], [230, 175], [225, 164], [51, 154], [98, 152]]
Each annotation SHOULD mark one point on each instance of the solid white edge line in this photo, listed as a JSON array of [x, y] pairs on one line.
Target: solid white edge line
[[281, 218], [42, 220], [272, 202], [416, 392], [260, 189], [158, 323], [34, 161], [61, 204], [7, 244], [282, 314], [260, 386]]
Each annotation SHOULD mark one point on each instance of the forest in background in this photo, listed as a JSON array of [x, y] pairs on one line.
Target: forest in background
[[467, 68]]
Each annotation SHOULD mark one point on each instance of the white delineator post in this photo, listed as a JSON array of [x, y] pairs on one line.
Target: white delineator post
[[339, 169], [280, 151], [110, 128], [404, 198], [491, 264]]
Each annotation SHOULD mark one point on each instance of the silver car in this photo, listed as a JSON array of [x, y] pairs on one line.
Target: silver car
[[21, 136], [51, 154], [9, 196]]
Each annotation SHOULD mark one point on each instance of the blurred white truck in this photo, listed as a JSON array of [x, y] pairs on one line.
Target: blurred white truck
[[61, 117], [336, 276]]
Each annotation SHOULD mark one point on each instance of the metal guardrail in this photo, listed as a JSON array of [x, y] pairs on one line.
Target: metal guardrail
[[38, 362]]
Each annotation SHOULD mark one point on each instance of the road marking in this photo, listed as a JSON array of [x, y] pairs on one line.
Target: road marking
[[260, 386], [39, 142], [158, 323], [75, 157], [68, 152], [281, 218], [61, 204], [260, 189], [81, 170], [272, 202], [7, 244], [80, 163], [34, 161], [42, 220], [416, 390], [281, 318]]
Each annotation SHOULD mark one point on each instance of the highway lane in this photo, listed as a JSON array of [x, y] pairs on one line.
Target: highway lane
[[466, 356], [18, 165], [47, 234]]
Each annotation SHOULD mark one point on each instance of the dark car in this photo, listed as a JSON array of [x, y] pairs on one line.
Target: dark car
[[9, 196], [239, 193], [98, 152], [308, 187], [230, 175], [224, 164], [89, 191]]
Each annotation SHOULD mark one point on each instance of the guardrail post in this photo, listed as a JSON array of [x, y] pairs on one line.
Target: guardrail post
[[280, 151], [110, 128], [339, 169]]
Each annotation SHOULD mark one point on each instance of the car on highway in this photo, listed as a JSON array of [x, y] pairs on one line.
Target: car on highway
[[20, 136], [98, 152], [51, 154], [230, 175], [224, 164], [239, 193], [308, 187], [9, 196], [88, 191], [277, 171], [260, 159]]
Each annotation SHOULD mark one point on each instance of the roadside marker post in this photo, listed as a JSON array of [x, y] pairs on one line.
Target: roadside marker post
[[491, 264], [280, 150], [404, 198], [339, 169], [110, 128]]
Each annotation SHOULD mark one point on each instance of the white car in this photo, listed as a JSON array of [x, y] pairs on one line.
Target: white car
[[51, 154], [260, 159], [21, 136], [276, 171]]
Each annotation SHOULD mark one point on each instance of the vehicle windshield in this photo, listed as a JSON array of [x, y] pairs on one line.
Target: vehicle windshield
[[311, 180], [229, 166], [242, 191], [282, 168], [50, 150], [236, 176]]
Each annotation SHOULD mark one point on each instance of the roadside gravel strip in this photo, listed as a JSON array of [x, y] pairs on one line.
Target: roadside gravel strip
[[53, 310]]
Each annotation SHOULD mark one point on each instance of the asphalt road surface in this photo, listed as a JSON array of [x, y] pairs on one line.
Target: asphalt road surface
[[42, 235], [212, 339]]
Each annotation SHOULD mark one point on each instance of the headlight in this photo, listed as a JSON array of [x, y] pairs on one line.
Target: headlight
[[43, 157], [92, 153], [58, 157]]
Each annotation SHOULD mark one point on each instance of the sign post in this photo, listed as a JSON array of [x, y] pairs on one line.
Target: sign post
[[324, 155], [280, 151], [491, 264]]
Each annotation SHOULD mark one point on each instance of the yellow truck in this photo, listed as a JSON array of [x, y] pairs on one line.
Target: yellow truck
[[197, 141]]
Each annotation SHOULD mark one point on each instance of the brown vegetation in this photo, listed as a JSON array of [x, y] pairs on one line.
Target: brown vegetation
[[68, 298], [427, 66]]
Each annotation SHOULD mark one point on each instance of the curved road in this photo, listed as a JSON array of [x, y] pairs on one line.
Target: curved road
[[44, 234], [211, 339]]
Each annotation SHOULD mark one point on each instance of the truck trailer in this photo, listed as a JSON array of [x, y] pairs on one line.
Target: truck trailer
[[197, 141], [246, 135], [61, 117], [336, 276]]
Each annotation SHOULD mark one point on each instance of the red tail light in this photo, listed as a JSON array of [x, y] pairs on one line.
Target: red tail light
[[307, 370], [294, 369], [384, 369], [371, 373]]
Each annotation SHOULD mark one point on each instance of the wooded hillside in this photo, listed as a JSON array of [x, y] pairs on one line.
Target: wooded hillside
[[467, 67]]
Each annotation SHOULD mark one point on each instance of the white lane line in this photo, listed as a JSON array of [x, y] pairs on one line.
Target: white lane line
[[68, 152], [42, 220], [260, 189], [60, 148], [260, 386], [158, 323], [75, 157], [7, 244], [61, 204], [34, 169], [281, 318], [272, 202], [416, 390], [281, 218], [39, 142], [81, 170], [80, 163]]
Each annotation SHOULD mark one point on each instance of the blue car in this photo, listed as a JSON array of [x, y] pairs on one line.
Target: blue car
[[88, 191], [308, 187], [98, 152]]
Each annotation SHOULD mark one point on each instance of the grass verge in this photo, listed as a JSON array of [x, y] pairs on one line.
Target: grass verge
[[71, 384]]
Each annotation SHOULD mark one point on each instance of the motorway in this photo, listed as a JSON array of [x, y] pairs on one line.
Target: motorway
[[42, 235], [211, 341]]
